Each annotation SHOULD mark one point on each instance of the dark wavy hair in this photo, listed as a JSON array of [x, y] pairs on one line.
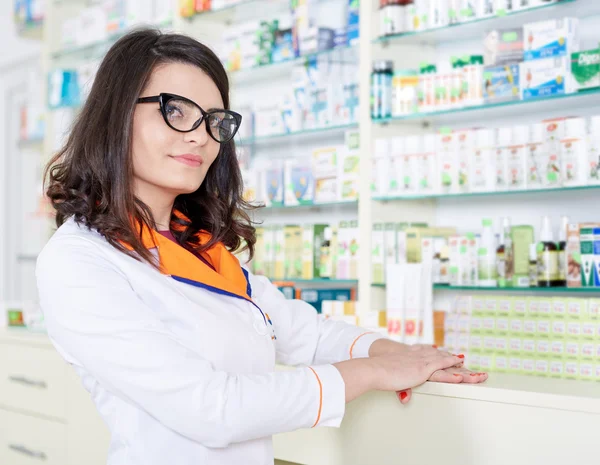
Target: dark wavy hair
[[90, 178]]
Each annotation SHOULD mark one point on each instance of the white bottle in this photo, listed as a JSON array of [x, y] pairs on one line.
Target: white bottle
[[427, 175], [487, 275], [505, 140], [535, 157], [562, 250], [396, 177], [410, 164], [574, 153], [593, 157], [516, 158], [483, 175]]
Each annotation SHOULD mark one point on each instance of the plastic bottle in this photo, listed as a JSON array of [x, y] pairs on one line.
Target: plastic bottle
[[326, 265], [381, 89], [547, 257], [535, 153], [533, 266], [593, 158], [487, 275], [504, 256], [562, 251], [505, 140], [444, 266]]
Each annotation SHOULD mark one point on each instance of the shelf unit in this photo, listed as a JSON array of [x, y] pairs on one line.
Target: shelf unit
[[413, 48]]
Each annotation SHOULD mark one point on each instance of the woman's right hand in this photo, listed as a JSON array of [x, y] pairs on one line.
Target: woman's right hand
[[393, 372]]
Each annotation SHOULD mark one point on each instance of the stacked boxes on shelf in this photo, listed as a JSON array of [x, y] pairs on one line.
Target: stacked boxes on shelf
[[546, 154], [552, 337], [330, 174]]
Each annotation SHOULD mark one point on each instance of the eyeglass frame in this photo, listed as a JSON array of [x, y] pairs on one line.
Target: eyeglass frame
[[163, 98]]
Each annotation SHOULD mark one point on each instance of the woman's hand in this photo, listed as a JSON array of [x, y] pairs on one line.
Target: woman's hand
[[394, 371], [455, 375]]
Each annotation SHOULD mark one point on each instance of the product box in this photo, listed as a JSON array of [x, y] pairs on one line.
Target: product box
[[292, 250], [354, 234], [516, 167], [298, 182], [258, 261], [554, 132], [588, 265], [551, 38], [313, 236], [447, 149], [353, 22], [522, 237], [316, 297], [269, 259], [501, 83], [325, 172], [545, 77], [273, 188], [279, 252], [378, 254], [585, 69], [390, 243], [381, 177], [573, 252], [504, 47], [349, 166], [343, 255], [465, 144]]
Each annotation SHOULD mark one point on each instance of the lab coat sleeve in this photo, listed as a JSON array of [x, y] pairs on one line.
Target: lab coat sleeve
[[98, 323], [303, 336]]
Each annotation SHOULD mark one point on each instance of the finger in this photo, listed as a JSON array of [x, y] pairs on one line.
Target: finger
[[468, 376], [446, 376], [441, 363], [404, 396]]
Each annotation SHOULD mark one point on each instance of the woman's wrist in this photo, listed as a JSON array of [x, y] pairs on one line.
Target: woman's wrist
[[385, 346]]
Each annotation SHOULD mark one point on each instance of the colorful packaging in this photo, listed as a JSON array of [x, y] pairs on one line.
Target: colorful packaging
[[585, 69], [501, 83], [298, 182], [313, 236], [551, 38], [546, 77]]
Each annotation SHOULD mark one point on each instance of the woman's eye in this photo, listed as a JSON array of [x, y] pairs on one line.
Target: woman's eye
[[173, 112], [215, 121]]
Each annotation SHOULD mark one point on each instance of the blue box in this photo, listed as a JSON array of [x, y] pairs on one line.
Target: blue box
[[353, 32], [315, 297], [501, 83]]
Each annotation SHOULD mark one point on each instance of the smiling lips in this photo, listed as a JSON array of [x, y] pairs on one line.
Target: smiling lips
[[189, 159]]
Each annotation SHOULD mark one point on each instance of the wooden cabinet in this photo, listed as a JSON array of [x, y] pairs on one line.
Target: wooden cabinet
[[46, 416]]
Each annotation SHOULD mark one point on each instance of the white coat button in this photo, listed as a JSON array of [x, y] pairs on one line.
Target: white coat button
[[260, 327]]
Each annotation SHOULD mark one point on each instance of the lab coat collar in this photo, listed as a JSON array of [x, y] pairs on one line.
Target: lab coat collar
[[227, 277]]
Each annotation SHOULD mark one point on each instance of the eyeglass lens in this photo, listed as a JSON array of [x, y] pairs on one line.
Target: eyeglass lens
[[182, 115]]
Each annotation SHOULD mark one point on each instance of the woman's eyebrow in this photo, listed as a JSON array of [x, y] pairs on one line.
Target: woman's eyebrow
[[215, 109]]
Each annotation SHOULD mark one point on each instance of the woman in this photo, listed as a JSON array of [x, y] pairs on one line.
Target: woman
[[175, 341]]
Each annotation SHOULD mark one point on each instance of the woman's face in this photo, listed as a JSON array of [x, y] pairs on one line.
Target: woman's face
[[167, 163]]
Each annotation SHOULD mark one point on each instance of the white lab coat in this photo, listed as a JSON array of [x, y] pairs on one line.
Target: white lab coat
[[184, 374]]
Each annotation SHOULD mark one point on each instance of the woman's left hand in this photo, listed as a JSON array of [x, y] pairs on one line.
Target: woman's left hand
[[454, 375]]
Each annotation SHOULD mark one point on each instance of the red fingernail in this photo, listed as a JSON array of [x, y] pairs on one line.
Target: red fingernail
[[460, 356], [473, 374], [403, 395], [456, 374], [434, 346]]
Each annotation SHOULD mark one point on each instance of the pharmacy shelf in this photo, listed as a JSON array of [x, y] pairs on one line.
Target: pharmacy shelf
[[521, 290], [282, 69], [510, 290], [585, 99], [318, 282], [296, 135], [35, 142], [216, 12], [31, 30], [316, 206], [476, 29], [94, 50], [486, 194], [27, 258]]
